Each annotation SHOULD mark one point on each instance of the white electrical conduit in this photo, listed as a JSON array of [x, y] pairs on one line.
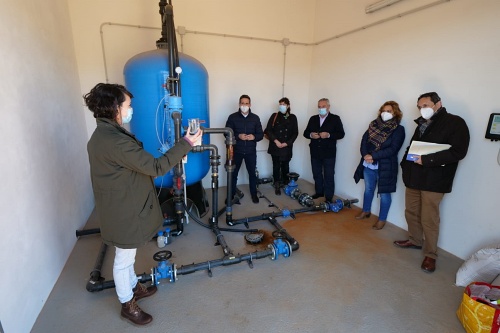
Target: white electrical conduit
[[285, 41]]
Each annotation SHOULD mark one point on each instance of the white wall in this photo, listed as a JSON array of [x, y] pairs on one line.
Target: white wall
[[235, 66], [452, 49], [45, 194]]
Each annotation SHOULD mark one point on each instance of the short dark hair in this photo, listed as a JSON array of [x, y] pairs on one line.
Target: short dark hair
[[433, 96], [287, 102], [284, 100], [245, 96], [105, 99]]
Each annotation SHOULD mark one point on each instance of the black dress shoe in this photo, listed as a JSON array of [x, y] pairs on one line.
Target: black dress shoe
[[255, 199], [428, 265], [406, 244], [277, 191], [317, 195]]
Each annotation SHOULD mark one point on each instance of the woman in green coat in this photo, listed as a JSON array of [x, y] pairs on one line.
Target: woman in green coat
[[125, 196]]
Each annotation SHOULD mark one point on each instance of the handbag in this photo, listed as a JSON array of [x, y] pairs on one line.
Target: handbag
[[274, 120], [478, 311]]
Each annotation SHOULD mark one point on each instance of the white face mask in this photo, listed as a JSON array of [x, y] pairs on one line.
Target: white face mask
[[426, 113], [244, 108], [282, 108], [322, 111], [128, 118], [386, 116]]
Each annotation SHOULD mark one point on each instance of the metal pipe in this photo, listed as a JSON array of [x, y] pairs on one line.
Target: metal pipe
[[229, 166], [324, 206], [228, 259], [95, 276], [85, 232]]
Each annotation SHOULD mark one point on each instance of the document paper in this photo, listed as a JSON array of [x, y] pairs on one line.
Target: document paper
[[418, 148]]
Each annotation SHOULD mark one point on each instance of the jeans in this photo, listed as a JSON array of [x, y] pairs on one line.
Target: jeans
[[124, 273], [371, 179]]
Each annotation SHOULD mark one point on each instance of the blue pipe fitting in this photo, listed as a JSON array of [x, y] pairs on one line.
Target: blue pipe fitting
[[164, 270], [291, 187], [280, 246], [335, 206], [174, 104]]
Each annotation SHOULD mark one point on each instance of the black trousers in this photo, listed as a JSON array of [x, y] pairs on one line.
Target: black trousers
[[280, 170], [251, 164], [323, 170]]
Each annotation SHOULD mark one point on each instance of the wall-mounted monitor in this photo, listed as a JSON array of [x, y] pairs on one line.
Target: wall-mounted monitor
[[493, 129]]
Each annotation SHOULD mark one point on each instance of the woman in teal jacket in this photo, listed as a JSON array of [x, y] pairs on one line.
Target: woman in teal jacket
[[125, 196]]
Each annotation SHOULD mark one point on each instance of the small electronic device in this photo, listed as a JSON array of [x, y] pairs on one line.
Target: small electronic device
[[493, 129]]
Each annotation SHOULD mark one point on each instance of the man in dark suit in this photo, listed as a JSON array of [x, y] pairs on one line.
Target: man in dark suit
[[248, 131], [324, 129]]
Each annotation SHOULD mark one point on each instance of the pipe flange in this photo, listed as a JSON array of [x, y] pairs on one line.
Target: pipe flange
[[174, 273], [154, 282], [273, 248], [289, 249]]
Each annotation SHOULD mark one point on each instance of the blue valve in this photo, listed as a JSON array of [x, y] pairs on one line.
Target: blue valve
[[335, 206], [164, 270], [291, 187], [280, 246]]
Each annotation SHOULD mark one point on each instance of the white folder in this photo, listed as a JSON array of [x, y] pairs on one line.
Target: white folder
[[418, 148]]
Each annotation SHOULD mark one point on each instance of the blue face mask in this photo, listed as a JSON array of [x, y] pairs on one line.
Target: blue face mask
[[282, 108], [322, 111], [128, 118]]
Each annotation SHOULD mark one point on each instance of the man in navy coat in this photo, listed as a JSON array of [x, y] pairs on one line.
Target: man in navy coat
[[248, 131], [324, 129]]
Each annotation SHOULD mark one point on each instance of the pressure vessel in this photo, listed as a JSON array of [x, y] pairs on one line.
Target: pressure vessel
[[145, 77]]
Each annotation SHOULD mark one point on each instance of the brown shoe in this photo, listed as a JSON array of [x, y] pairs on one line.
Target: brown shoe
[[428, 265], [140, 291], [406, 244], [132, 312], [378, 225], [363, 215]]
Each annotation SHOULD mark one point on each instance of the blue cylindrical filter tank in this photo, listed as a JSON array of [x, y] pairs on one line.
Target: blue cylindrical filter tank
[[145, 77]]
